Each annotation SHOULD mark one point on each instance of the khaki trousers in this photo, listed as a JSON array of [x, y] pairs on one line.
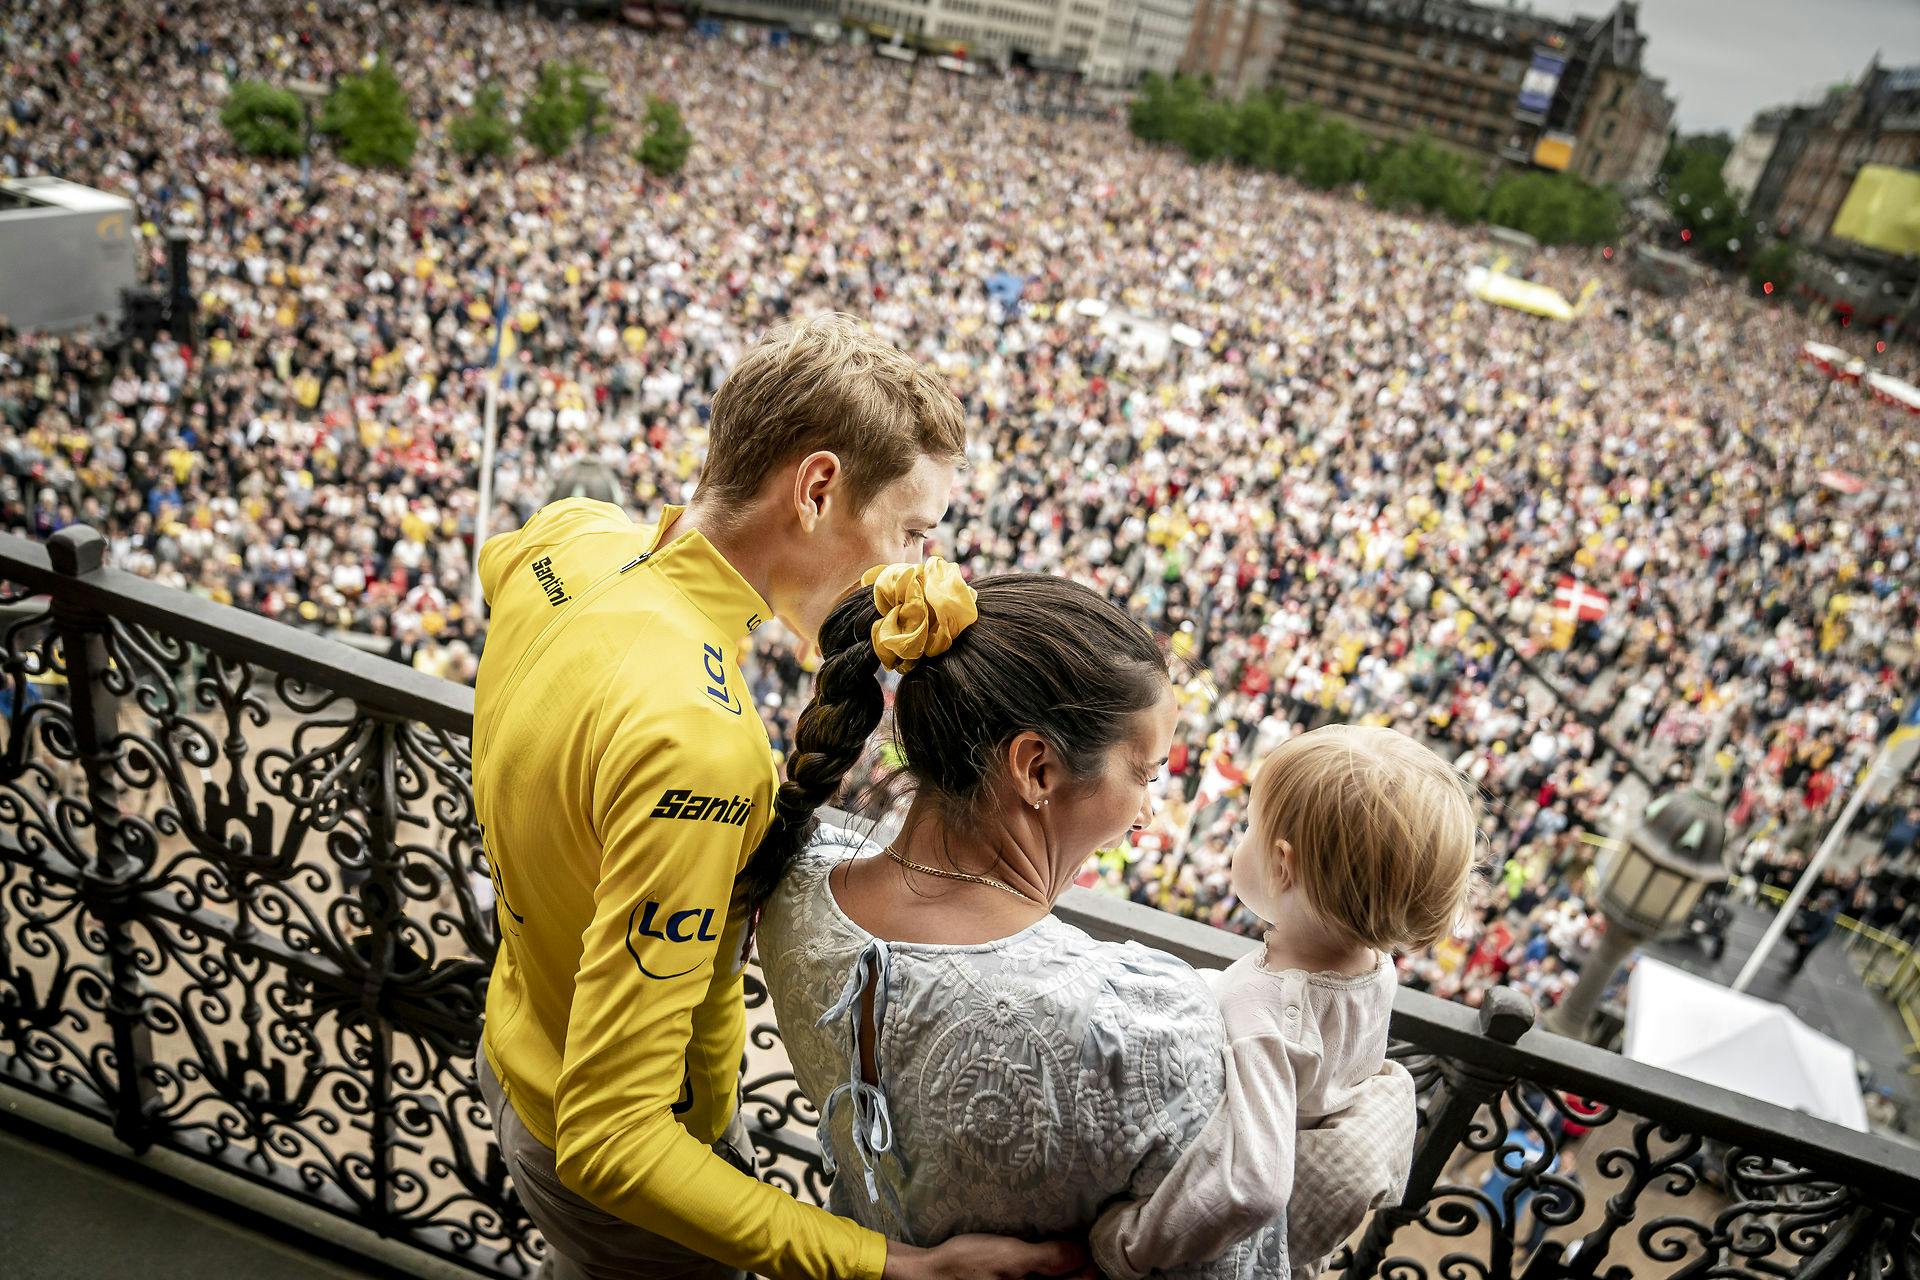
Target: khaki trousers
[[585, 1242]]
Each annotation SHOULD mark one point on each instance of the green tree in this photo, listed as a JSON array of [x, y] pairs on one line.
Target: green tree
[[1554, 208], [550, 118], [664, 149], [1703, 206], [1147, 114], [485, 130], [1163, 110], [565, 103], [264, 120], [1254, 132], [1422, 175], [1717, 146], [1334, 154], [1597, 215], [1206, 130], [1777, 264], [589, 107], [369, 116], [1297, 124]]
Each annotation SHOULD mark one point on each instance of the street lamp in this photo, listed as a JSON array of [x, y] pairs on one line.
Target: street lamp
[[588, 478], [311, 93], [599, 86], [1650, 888]]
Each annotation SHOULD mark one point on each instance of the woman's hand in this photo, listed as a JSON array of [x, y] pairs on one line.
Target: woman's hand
[[983, 1257]]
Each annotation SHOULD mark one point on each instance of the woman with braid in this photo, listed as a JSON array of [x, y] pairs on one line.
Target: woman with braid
[[978, 1064]]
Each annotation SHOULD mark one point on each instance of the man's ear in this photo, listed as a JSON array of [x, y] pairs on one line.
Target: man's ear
[[815, 484]]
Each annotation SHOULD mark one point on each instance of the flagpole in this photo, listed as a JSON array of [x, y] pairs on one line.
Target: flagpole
[[480, 517], [488, 430], [1882, 770], [1186, 836], [1836, 836]]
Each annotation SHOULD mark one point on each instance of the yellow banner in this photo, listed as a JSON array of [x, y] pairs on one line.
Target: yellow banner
[[1882, 210]]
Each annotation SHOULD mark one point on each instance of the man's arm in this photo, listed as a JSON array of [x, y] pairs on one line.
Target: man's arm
[[646, 964]]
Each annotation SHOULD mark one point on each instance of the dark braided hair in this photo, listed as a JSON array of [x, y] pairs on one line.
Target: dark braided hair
[[828, 741], [1047, 655]]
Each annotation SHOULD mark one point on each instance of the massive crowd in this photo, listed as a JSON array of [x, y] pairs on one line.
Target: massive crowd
[[1327, 498]]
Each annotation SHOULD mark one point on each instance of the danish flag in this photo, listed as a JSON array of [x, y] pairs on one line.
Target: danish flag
[[1579, 601]]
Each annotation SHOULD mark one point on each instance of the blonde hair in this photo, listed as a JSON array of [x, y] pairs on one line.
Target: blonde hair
[[826, 383], [1384, 832]]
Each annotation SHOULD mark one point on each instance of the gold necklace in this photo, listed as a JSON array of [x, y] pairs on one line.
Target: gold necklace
[[955, 875]]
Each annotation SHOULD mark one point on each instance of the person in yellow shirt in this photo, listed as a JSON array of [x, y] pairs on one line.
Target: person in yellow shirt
[[622, 778]]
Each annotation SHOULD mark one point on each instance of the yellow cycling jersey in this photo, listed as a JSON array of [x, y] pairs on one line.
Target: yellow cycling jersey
[[622, 777]]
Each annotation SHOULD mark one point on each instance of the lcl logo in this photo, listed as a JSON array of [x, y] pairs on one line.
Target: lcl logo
[[648, 920]]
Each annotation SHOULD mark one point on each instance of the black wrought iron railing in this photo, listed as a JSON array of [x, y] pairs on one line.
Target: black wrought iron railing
[[238, 923]]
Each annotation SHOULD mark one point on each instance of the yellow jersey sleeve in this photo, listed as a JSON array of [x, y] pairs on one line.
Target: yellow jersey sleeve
[[644, 985]]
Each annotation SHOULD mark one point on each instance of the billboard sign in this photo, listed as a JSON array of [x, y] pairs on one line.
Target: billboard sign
[[1882, 210], [1554, 150], [1543, 77]]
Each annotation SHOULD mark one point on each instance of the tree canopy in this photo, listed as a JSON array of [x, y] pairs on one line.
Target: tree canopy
[[264, 120], [485, 130], [1262, 131], [664, 149], [370, 119]]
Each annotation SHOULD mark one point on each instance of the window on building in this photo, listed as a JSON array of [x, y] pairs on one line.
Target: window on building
[[1451, 54], [1479, 61]]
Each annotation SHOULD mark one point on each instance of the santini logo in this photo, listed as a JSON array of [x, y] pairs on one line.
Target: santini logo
[[550, 581], [649, 921], [688, 807]]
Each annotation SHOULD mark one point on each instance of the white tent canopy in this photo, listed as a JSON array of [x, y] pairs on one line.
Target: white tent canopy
[[1700, 1029]]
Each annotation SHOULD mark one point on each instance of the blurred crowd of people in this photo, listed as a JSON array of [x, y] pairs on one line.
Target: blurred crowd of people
[[1283, 435]]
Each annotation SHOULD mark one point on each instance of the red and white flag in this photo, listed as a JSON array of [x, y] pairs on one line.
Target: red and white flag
[[1579, 601], [1222, 778]]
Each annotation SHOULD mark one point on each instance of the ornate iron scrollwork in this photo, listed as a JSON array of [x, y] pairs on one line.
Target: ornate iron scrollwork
[[238, 920]]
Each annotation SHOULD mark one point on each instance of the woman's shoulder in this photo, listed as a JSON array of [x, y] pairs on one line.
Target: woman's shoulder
[[1151, 990], [1108, 993], [1157, 1019], [799, 923]]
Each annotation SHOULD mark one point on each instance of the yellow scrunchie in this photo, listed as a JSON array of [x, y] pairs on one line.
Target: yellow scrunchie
[[922, 608]]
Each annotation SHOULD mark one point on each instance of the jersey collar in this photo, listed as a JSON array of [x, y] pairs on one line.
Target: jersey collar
[[705, 577]]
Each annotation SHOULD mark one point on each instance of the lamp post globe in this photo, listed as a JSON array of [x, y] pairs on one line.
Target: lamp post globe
[[1649, 889], [588, 478]]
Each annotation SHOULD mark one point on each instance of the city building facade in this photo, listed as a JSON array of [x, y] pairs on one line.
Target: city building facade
[[1112, 41], [1141, 37], [1235, 42], [1507, 86], [1820, 150], [1746, 164]]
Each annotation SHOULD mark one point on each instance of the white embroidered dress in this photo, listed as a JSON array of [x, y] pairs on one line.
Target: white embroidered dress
[[1022, 1084]]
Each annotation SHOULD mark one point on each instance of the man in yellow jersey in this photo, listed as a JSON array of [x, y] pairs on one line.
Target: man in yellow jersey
[[622, 778]]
